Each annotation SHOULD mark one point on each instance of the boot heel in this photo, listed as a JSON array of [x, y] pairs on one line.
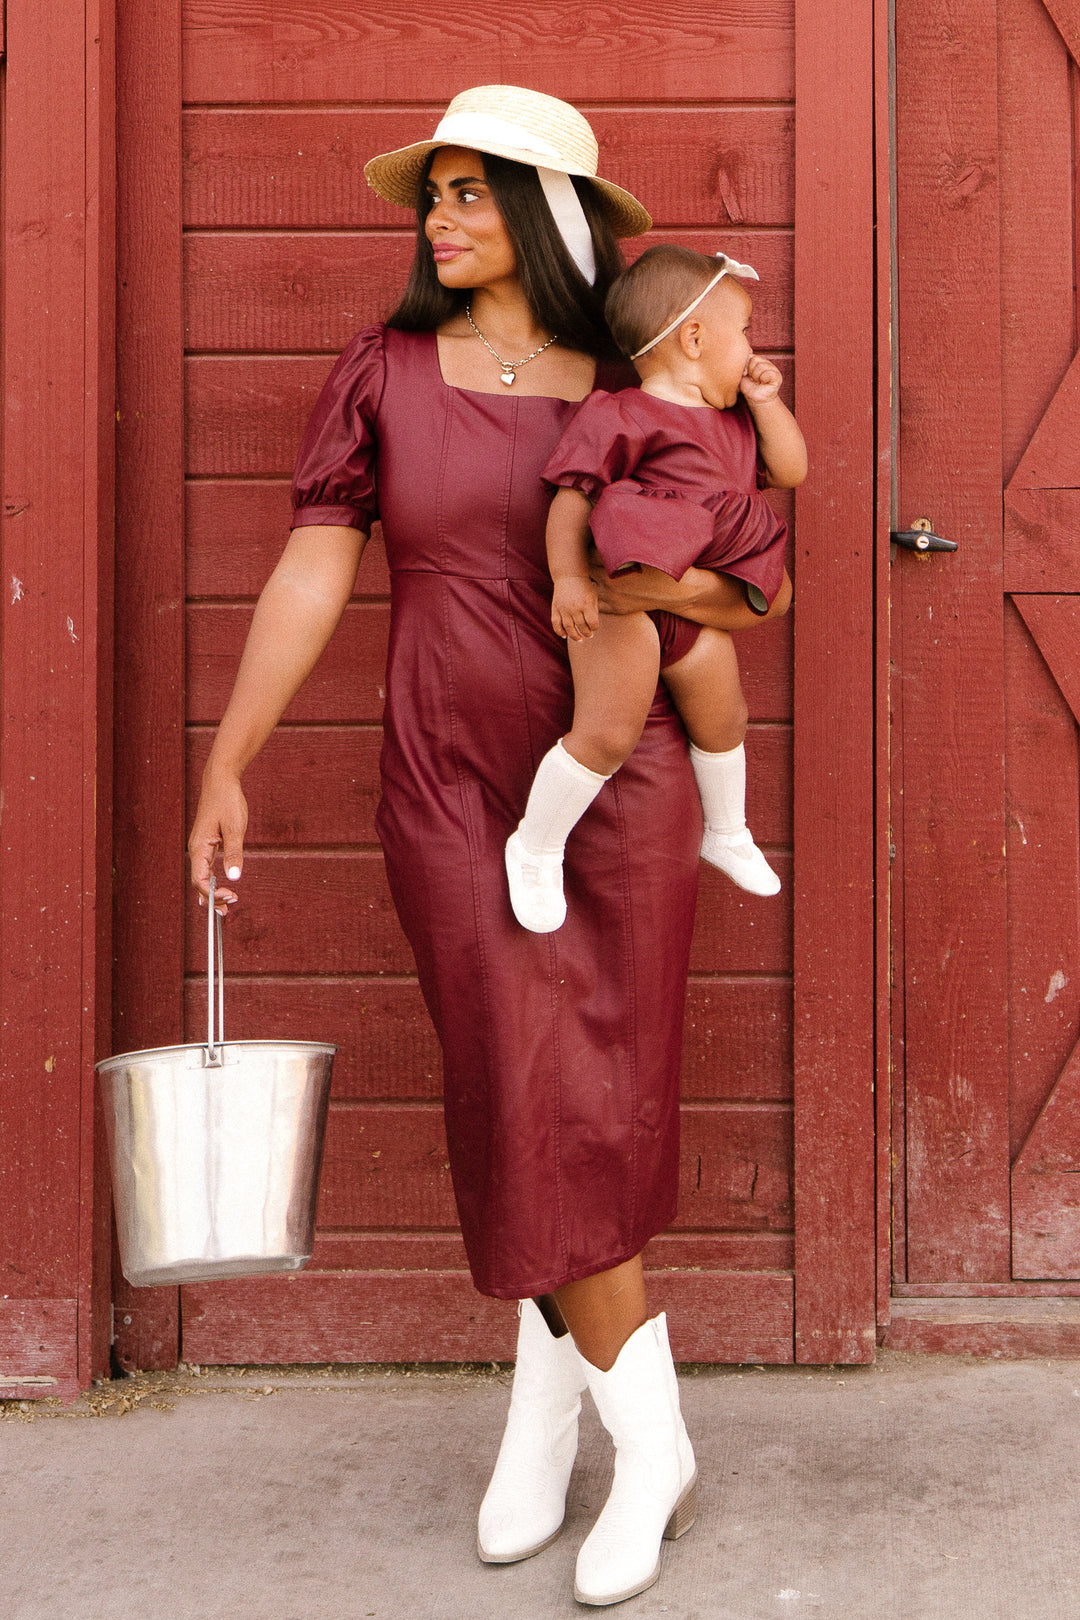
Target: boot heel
[[683, 1513]]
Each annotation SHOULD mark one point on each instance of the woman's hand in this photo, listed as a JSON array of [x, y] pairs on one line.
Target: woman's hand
[[220, 824], [706, 598], [574, 613]]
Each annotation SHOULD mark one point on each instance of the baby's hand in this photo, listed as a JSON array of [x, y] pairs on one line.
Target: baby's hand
[[761, 381], [574, 613]]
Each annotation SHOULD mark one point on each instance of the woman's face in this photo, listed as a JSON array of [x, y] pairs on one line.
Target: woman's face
[[471, 244]]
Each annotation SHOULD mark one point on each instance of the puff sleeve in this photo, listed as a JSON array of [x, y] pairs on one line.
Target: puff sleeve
[[602, 445], [335, 476]]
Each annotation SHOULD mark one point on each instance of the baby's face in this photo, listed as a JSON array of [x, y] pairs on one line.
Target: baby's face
[[725, 343]]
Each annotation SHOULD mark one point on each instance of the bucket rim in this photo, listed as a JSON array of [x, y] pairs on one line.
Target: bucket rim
[[144, 1054]]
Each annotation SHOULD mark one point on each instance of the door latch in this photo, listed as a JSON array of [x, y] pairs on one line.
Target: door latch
[[921, 538]]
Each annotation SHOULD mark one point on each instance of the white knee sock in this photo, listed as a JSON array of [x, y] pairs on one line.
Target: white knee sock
[[721, 781], [562, 791]]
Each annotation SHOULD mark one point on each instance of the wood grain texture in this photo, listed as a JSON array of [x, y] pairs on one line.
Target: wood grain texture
[[246, 415], [1046, 1219], [348, 683], [386, 1166], [38, 1342], [311, 292], [235, 51], [736, 1043], [1041, 526], [1054, 621], [884, 1099], [1052, 459], [344, 761], [1036, 139], [235, 533], [445, 1251], [56, 291], [150, 830], [386, 1316], [1042, 773], [949, 619], [834, 678], [999, 1328], [279, 168]]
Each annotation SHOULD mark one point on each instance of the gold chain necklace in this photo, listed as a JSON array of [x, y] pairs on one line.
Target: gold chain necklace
[[510, 368]]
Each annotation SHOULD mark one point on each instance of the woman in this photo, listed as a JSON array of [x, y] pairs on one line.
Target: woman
[[561, 1053]]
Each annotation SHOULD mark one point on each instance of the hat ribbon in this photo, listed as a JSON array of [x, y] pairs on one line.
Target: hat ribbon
[[729, 267], [467, 129]]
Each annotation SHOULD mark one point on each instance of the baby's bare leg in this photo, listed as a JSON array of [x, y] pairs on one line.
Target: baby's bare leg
[[707, 692], [615, 673]]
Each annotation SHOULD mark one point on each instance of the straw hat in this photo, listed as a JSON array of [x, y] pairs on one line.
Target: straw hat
[[522, 125]]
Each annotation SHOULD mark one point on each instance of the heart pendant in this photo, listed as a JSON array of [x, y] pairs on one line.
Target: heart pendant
[[508, 377]]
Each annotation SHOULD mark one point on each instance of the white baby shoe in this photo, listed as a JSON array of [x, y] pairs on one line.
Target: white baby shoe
[[536, 891], [738, 856]]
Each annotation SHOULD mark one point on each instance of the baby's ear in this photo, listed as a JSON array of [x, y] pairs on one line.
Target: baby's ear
[[690, 339]]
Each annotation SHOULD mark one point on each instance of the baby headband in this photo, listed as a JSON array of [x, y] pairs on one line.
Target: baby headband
[[728, 267]]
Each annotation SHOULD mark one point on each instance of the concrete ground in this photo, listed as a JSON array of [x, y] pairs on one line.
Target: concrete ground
[[917, 1488]]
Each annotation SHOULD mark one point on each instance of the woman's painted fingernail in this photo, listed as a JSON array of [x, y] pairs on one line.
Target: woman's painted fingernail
[[202, 900], [232, 872]]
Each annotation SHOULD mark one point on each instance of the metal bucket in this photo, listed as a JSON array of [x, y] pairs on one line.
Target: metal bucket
[[216, 1150]]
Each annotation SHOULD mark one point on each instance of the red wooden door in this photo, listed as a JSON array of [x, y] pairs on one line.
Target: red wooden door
[[987, 656], [263, 228]]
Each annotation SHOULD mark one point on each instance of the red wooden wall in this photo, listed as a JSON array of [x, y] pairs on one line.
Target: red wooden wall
[[56, 368], [247, 251]]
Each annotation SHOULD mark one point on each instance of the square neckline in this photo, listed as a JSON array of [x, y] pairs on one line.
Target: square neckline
[[483, 393]]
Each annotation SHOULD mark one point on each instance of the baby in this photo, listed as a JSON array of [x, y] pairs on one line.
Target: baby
[[667, 476]]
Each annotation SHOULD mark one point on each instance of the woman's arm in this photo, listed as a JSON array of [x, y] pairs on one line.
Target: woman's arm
[[296, 615], [716, 600]]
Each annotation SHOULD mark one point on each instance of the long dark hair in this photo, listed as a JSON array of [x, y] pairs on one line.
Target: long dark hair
[[558, 294]]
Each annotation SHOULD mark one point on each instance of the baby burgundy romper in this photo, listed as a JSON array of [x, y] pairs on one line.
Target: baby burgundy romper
[[561, 1051]]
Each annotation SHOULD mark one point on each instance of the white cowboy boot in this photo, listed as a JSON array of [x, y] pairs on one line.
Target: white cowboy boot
[[653, 1497], [523, 1509]]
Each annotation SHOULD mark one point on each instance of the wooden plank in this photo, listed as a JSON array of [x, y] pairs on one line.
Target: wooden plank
[[736, 1044], [38, 1349], [1041, 553], [385, 1316], [283, 167], [1054, 621], [1043, 850], [245, 416], [1066, 15], [348, 683], [344, 762], [385, 1165], [981, 1290], [1053, 1147], [327, 914], [834, 676], [445, 1251], [235, 533], [312, 291], [353, 928], [1052, 459], [239, 52], [951, 662], [55, 621], [997, 1328], [884, 481], [1035, 113], [150, 831], [1046, 1218]]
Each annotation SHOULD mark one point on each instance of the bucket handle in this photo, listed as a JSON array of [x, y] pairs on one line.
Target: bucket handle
[[215, 986]]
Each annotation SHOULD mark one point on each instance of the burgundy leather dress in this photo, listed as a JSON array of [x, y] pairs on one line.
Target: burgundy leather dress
[[561, 1050]]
